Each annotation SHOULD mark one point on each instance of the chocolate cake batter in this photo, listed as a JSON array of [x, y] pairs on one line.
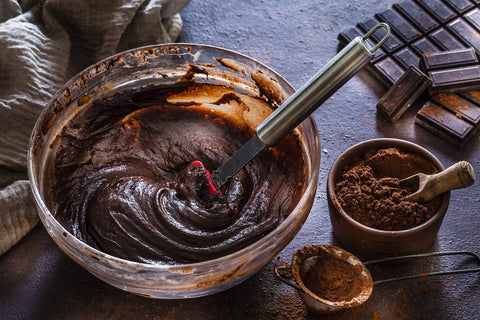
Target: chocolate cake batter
[[123, 183]]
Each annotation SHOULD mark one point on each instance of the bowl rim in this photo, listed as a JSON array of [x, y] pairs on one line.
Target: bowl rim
[[32, 174], [379, 143]]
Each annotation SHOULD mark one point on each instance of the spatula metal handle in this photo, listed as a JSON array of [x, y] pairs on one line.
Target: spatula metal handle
[[319, 88], [300, 105]]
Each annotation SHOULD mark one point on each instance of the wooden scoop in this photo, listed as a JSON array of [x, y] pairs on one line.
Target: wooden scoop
[[426, 187]]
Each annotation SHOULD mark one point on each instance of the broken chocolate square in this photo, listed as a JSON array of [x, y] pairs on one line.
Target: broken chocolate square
[[403, 94], [446, 124]]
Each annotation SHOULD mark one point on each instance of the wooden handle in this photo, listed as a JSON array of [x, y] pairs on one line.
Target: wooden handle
[[459, 175]]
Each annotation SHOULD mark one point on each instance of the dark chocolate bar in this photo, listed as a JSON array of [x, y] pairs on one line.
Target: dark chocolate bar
[[461, 107], [403, 94], [445, 40], [424, 46], [404, 29], [418, 27], [460, 6], [455, 79], [427, 26], [406, 57], [474, 18], [416, 15], [466, 33], [445, 124], [448, 59], [438, 9], [388, 70]]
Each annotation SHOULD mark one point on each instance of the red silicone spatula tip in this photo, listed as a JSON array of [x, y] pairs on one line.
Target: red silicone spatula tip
[[213, 190]]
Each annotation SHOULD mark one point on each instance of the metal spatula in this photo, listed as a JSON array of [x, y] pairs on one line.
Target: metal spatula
[[426, 187], [300, 105]]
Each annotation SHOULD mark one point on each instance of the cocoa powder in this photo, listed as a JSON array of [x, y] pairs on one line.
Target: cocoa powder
[[369, 191], [333, 279]]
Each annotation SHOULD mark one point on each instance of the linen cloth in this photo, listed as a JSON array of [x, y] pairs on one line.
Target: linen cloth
[[43, 43]]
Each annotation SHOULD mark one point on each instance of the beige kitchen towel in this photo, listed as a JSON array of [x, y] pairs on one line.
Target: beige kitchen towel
[[43, 43], [18, 214]]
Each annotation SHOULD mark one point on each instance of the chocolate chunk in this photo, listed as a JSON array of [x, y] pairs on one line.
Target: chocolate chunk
[[390, 45], [403, 94], [406, 57], [474, 18], [404, 29], [347, 36], [388, 71], [424, 46], [422, 20], [444, 123], [460, 6], [438, 9], [445, 40], [455, 79], [461, 107], [466, 33], [448, 59]]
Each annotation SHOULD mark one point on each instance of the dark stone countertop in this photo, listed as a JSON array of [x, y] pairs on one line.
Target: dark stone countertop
[[295, 38]]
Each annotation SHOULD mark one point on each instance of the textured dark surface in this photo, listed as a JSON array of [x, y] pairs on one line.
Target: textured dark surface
[[38, 281]]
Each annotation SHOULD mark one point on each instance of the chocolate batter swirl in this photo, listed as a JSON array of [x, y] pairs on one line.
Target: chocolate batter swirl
[[123, 184]]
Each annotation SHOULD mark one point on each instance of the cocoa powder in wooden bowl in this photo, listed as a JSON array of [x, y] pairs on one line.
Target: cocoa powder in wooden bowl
[[368, 214]]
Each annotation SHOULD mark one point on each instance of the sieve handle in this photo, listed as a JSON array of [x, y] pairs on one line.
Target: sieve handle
[[319, 88], [288, 282], [423, 255]]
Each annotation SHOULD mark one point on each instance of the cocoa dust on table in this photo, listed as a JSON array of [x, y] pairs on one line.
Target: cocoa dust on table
[[369, 191]]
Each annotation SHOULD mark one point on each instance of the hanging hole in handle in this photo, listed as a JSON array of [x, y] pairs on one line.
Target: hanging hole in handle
[[382, 41], [424, 275]]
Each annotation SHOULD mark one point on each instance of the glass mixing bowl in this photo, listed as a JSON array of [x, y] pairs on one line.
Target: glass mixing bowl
[[159, 65]]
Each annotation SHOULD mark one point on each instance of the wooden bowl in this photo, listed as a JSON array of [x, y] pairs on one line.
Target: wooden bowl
[[367, 242]]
